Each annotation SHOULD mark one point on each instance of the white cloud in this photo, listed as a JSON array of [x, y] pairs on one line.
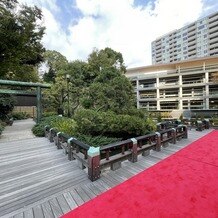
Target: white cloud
[[117, 24]]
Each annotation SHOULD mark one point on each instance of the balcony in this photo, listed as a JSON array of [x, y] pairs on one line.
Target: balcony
[[168, 83], [213, 29], [212, 35], [213, 18], [213, 24], [213, 93], [193, 81], [213, 51], [147, 96], [147, 86], [212, 40], [212, 67], [169, 96]]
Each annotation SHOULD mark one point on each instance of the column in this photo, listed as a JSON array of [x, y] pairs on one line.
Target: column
[[206, 90], [137, 93], [158, 93], [180, 93], [39, 104]]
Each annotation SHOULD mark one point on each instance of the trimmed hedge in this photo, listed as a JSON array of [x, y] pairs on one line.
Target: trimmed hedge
[[109, 124]]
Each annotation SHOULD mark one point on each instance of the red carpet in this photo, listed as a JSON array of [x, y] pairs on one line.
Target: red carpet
[[183, 185]]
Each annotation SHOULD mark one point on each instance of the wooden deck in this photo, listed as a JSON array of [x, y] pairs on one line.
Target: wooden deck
[[37, 180]]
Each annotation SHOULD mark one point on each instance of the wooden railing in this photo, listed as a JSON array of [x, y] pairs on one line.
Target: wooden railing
[[111, 155]]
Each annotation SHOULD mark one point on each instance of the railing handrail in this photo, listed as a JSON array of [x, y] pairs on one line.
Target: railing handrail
[[115, 144]]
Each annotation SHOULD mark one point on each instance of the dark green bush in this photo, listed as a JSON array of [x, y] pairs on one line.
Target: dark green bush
[[38, 130], [6, 104], [1, 128], [49, 114], [20, 115], [90, 122]]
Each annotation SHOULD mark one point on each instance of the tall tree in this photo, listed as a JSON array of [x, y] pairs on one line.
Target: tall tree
[[56, 63], [105, 59], [20, 40]]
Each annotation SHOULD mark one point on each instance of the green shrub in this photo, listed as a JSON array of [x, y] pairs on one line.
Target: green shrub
[[65, 125], [49, 114], [96, 140], [90, 122], [20, 115], [6, 104], [38, 130], [62, 124]]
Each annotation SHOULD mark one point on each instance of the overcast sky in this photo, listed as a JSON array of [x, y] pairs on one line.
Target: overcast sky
[[75, 27]]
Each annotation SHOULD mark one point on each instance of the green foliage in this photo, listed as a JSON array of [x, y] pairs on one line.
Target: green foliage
[[62, 124], [96, 141], [99, 84], [38, 129], [109, 124], [20, 41], [110, 91], [56, 63], [20, 115], [6, 104], [49, 114], [65, 125], [105, 58]]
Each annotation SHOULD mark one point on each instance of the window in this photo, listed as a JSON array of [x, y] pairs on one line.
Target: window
[[201, 27]]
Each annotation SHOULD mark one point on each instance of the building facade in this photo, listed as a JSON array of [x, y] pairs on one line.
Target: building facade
[[185, 85], [198, 39]]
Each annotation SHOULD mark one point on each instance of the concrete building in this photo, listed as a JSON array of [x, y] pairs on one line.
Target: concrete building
[[198, 39], [180, 86]]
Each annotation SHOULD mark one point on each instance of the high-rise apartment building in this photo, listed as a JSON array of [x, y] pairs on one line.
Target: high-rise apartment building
[[198, 39]]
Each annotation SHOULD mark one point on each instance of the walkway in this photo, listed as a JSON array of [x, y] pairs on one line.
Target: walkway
[[37, 180]]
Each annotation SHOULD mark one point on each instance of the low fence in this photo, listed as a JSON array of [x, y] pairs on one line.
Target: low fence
[[30, 110], [111, 155]]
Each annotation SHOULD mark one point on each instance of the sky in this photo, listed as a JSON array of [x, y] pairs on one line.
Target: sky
[[75, 27]]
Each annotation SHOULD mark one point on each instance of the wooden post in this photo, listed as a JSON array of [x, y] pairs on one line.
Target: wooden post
[[174, 135], [51, 137], [186, 131], [94, 163], [134, 157], [46, 131], [158, 145], [58, 143], [70, 149]]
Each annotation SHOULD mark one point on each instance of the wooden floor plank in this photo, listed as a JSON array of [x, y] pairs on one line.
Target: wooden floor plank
[[37, 211], [69, 199], [20, 215], [79, 201], [47, 211], [63, 204], [28, 213], [56, 209], [82, 194]]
